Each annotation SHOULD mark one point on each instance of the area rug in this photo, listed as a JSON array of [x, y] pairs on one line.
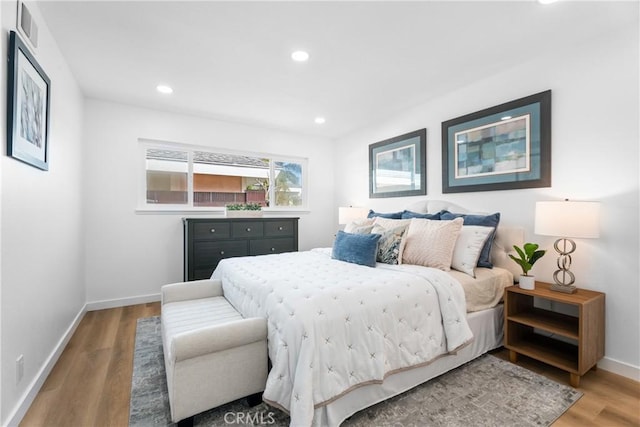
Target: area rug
[[484, 392]]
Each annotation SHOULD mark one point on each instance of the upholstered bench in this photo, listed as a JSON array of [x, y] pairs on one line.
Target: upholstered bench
[[212, 354]]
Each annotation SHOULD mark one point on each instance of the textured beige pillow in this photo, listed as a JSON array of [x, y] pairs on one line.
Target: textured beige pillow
[[430, 243]]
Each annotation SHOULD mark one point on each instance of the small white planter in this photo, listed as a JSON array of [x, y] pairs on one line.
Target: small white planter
[[243, 214], [527, 282]]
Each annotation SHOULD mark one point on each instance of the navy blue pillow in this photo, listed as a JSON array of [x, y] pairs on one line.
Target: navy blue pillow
[[391, 215], [356, 248], [410, 214], [484, 220]]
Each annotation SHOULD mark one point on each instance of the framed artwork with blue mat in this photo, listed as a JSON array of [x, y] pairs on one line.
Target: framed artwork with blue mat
[[500, 148]]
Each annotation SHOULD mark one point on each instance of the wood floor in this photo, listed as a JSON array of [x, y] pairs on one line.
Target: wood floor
[[90, 385]]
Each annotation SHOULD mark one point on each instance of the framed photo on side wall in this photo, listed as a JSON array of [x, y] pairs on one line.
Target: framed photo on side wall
[[500, 148], [397, 166], [28, 101]]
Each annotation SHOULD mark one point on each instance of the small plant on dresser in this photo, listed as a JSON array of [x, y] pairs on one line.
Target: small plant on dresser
[[243, 210]]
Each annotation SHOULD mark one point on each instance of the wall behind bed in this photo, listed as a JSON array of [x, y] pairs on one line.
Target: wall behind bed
[[595, 156]]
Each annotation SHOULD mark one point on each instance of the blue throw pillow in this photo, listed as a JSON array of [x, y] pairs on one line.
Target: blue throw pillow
[[411, 214], [356, 248], [391, 215], [484, 220]]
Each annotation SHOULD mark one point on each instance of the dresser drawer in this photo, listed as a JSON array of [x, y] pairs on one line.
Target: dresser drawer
[[202, 273], [247, 229], [279, 228], [211, 230], [271, 246], [210, 253]]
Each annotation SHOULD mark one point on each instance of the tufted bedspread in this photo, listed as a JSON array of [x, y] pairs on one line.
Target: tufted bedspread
[[334, 326]]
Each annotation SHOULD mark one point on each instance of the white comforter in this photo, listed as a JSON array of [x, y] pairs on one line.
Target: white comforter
[[334, 326]]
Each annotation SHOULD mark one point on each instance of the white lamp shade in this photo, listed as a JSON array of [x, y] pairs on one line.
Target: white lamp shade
[[568, 219], [350, 214]]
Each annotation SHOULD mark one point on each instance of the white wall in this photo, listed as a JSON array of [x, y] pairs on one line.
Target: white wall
[[3, 125], [595, 156], [129, 254], [41, 221]]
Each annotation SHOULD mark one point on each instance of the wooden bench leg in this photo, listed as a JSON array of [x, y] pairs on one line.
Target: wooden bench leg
[[254, 399], [513, 356], [187, 422]]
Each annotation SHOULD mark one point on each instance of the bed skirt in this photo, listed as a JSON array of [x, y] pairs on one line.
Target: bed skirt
[[487, 327]]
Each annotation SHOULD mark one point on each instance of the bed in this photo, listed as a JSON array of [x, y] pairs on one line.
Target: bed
[[344, 336]]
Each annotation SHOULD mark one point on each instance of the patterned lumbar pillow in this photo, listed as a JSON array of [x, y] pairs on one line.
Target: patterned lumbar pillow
[[468, 247], [430, 243], [389, 243]]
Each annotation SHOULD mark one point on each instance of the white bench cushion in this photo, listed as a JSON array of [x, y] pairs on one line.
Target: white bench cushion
[[188, 316]]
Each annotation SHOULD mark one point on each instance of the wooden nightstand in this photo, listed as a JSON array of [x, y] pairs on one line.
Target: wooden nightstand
[[573, 344]]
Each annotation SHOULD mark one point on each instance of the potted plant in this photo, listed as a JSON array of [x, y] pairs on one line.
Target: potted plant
[[528, 256], [236, 210]]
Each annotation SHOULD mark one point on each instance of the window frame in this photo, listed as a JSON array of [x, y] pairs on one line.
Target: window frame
[[143, 205]]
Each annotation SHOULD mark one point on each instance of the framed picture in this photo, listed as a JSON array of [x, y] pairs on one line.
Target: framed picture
[[501, 148], [27, 106], [397, 166]]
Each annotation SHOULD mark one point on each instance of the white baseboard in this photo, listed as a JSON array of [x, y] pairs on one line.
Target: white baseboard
[[122, 302], [32, 390], [620, 368]]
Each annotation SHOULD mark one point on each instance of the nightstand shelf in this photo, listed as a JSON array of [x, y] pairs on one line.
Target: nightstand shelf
[[556, 353], [556, 323], [574, 344]]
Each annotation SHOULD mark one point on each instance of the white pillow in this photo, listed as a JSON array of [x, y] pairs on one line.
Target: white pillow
[[430, 243], [390, 223], [359, 226], [468, 247]]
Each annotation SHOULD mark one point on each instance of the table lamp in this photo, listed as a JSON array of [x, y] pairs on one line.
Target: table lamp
[[347, 215], [569, 220]]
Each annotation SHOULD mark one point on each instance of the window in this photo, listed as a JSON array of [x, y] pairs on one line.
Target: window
[[184, 177]]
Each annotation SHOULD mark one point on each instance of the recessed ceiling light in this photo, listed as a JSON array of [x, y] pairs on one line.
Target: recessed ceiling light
[[300, 56], [320, 120], [164, 89], [547, 1]]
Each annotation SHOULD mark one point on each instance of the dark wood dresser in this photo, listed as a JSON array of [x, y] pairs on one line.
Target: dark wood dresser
[[207, 241]]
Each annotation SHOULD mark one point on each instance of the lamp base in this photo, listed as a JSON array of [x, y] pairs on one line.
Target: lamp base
[[567, 289]]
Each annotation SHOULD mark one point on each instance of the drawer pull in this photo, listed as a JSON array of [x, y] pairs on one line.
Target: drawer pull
[[273, 249], [221, 252], [248, 229], [213, 230], [280, 228]]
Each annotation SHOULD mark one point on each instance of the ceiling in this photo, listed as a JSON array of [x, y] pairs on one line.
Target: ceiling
[[369, 60]]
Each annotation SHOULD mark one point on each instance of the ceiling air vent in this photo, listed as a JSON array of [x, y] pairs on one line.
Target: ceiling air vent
[[27, 24]]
